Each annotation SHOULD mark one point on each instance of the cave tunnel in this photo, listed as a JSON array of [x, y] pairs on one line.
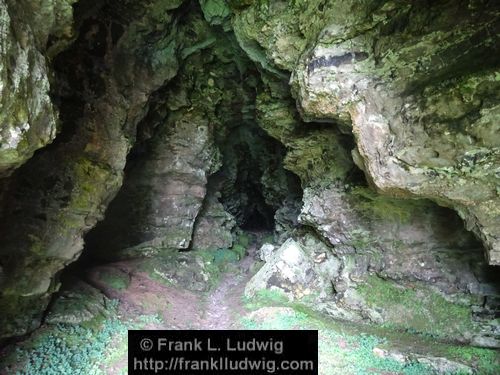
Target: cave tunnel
[[271, 165]]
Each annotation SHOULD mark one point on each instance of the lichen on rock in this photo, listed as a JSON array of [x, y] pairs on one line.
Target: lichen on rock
[[353, 132]]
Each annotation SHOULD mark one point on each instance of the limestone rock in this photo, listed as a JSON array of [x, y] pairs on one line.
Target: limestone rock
[[213, 227], [394, 109], [410, 84], [28, 117], [171, 185], [52, 211], [81, 303], [190, 270], [292, 270], [416, 85], [266, 251], [423, 113]]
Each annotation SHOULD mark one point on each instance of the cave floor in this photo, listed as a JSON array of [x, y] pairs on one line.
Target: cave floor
[[138, 299]]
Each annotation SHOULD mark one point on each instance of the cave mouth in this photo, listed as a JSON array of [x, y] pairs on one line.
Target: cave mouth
[[251, 185], [253, 181], [259, 221], [167, 167], [208, 137]]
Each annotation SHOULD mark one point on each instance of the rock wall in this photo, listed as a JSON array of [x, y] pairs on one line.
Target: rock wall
[[62, 192], [352, 123], [407, 93], [417, 85], [28, 118]]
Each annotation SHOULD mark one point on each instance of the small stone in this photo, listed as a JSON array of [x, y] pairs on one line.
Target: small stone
[[320, 258], [379, 352], [266, 251]]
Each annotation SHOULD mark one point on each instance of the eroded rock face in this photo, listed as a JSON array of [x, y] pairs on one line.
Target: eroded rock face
[[416, 85], [174, 170], [60, 194], [297, 270], [425, 113], [193, 104], [213, 227], [28, 118], [171, 186], [409, 83]]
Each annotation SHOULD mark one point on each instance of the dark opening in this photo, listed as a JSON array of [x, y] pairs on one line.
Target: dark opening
[[253, 181], [259, 216]]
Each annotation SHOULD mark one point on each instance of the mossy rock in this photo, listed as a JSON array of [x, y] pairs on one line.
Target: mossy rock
[[81, 303], [239, 250], [417, 309], [223, 256], [194, 270], [374, 205], [114, 278]]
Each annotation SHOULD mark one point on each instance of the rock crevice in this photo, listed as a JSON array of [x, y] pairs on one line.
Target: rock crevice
[[136, 129]]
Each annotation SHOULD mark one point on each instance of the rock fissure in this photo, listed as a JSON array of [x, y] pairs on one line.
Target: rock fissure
[[154, 143]]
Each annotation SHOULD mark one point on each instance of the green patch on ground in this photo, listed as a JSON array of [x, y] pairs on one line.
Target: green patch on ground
[[222, 257], [114, 278], [266, 297], [354, 348], [88, 348], [339, 353], [239, 250], [243, 239], [276, 297], [487, 360], [420, 309]]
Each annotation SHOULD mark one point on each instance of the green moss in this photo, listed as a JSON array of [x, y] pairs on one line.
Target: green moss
[[421, 310], [339, 352], [172, 268], [215, 11], [268, 239], [243, 239], [266, 297], [361, 239], [239, 250], [114, 278], [386, 208], [76, 349], [224, 256], [186, 52], [89, 178], [486, 360], [318, 158]]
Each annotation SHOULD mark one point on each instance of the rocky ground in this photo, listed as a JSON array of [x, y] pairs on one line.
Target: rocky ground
[[140, 138], [86, 330], [364, 132]]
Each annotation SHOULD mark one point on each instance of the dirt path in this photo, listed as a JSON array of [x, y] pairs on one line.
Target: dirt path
[[224, 304], [218, 309], [179, 308]]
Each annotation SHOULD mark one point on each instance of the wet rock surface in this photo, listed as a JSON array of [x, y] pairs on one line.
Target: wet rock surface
[[28, 117], [129, 295], [355, 131]]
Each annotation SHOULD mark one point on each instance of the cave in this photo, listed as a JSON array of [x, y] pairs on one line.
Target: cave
[[225, 165]]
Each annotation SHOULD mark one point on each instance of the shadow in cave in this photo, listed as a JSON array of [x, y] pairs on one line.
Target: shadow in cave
[[259, 222], [253, 182]]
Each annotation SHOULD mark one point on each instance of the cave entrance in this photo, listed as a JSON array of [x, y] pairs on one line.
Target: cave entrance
[[260, 218], [253, 182]]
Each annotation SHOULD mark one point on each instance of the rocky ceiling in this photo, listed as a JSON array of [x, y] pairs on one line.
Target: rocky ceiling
[[341, 117]]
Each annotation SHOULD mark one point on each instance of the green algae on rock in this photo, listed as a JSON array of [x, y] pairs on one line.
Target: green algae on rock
[[345, 127]]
